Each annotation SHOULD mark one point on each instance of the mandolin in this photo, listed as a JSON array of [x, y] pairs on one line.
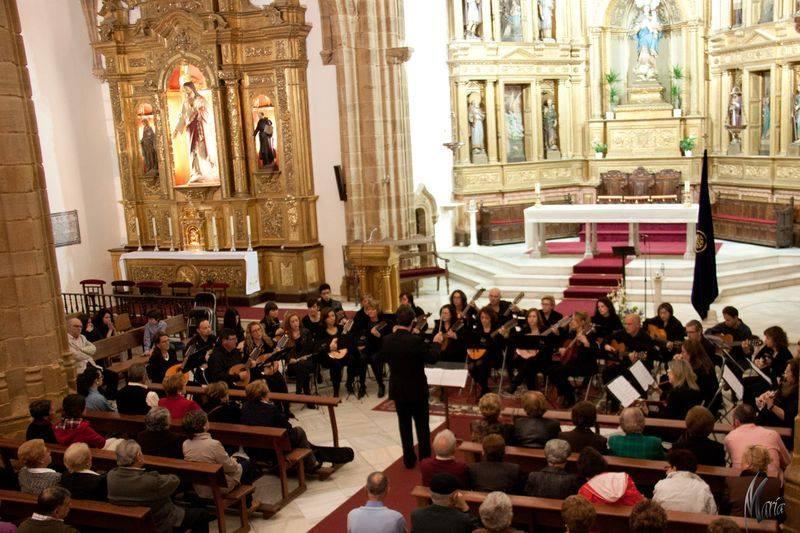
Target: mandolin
[[572, 346], [178, 369], [420, 321], [475, 354], [564, 322], [457, 326]]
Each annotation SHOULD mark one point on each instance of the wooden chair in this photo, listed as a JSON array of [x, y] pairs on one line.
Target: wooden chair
[[93, 292], [122, 286], [150, 287], [220, 290], [181, 288], [640, 183], [613, 183]]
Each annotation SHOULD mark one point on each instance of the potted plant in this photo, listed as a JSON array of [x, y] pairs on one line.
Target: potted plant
[[612, 78], [675, 90], [600, 149], [688, 144]]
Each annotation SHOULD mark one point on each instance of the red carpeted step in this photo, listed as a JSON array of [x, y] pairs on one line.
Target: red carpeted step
[[587, 291], [598, 280], [599, 265]]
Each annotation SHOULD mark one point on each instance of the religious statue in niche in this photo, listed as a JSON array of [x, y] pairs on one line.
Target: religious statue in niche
[[546, 10], [194, 139], [736, 12], [515, 123], [796, 114], [767, 11], [735, 107], [147, 140], [264, 132], [647, 33], [477, 136], [550, 125], [511, 21], [765, 118], [472, 18]]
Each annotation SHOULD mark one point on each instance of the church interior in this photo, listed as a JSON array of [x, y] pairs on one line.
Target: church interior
[[298, 169]]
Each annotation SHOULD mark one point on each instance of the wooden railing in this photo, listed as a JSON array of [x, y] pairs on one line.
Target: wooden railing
[[136, 305]]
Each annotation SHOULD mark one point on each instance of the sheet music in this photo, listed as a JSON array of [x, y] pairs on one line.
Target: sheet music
[[445, 377], [733, 382], [622, 389], [642, 375], [759, 372]]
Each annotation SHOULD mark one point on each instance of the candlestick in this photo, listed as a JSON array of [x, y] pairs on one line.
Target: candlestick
[[138, 233], [171, 237], [249, 236], [538, 187], [214, 234], [687, 193], [155, 234], [538, 190], [233, 235]]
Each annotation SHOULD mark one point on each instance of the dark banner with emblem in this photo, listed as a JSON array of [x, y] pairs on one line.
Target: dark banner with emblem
[[704, 286]]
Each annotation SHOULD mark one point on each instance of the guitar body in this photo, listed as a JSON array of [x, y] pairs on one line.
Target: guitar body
[[338, 354], [235, 370], [623, 353], [177, 369], [476, 354], [656, 333], [527, 354]]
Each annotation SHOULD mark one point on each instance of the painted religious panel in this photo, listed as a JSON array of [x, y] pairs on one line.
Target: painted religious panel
[[190, 107], [264, 133], [514, 122], [511, 20]]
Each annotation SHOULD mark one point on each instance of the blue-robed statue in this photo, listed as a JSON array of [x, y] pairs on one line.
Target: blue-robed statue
[[647, 33]]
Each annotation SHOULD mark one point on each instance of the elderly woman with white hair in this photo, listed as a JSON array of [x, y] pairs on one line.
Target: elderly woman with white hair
[[553, 481], [496, 514], [81, 481], [444, 460]]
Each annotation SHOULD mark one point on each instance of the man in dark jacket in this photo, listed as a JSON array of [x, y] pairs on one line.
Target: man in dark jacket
[[553, 481], [52, 507], [224, 356], [407, 355], [492, 473], [134, 398], [449, 512]]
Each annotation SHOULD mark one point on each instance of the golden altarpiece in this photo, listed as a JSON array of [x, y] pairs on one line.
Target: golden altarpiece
[[210, 110]]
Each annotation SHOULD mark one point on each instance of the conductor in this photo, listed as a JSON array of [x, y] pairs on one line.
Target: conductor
[[407, 355]]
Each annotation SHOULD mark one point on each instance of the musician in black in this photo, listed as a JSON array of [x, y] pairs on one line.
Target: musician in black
[[270, 322], [334, 343], [502, 308], [638, 346], [771, 360], [162, 357], [369, 347], [463, 309], [197, 352], [732, 325], [312, 321], [528, 362], [224, 356], [694, 332], [605, 318], [684, 391], [706, 376], [548, 312], [484, 348], [578, 357], [301, 351], [257, 344], [360, 319], [672, 329], [450, 333], [779, 407]]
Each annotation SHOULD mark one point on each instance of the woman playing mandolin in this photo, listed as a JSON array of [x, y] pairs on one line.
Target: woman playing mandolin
[[526, 361], [334, 347], [449, 332], [302, 349], [578, 357], [484, 348]]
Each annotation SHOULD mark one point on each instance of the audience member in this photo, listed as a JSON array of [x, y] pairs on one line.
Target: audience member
[[490, 406], [746, 433], [723, 525], [134, 398], [129, 484], [496, 514], [533, 431], [648, 516], [374, 516], [218, 405], [755, 462], [156, 438], [42, 425], [634, 443], [578, 515], [72, 427], [82, 350], [52, 507], [448, 511], [35, 474], [553, 481], [492, 474], [152, 329], [102, 326], [81, 481], [683, 489], [444, 460], [584, 417], [613, 488], [88, 384], [699, 425], [162, 357], [175, 402]]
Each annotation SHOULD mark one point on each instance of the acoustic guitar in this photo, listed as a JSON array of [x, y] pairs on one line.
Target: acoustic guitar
[[179, 368], [527, 354], [517, 299], [420, 321], [476, 354], [660, 335], [622, 352], [572, 346], [726, 341]]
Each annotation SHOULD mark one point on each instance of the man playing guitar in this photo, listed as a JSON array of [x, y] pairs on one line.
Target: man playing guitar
[[225, 356], [197, 351], [626, 347], [578, 357]]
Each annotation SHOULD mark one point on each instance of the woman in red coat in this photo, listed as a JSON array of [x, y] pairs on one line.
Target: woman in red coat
[[612, 488]]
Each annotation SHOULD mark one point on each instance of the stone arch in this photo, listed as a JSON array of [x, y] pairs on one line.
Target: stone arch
[[424, 201]]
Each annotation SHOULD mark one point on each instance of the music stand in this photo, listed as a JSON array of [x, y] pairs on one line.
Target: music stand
[[623, 252]]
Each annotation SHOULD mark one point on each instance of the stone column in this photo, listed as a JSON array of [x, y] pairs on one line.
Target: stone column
[[776, 109], [365, 43], [233, 104], [528, 17], [462, 113], [458, 20], [714, 109], [565, 108], [491, 122], [747, 135], [532, 120], [491, 25], [34, 358]]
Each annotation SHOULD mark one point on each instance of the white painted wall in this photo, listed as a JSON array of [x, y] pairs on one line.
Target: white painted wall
[[76, 135]]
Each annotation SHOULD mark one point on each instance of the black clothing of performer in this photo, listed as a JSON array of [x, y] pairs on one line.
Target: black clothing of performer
[[220, 363], [159, 362], [787, 402], [407, 355], [679, 401], [618, 364], [314, 327], [337, 366], [674, 330], [270, 327], [739, 333], [549, 320], [503, 312], [527, 369], [264, 131], [606, 326], [268, 372], [302, 347], [198, 350], [582, 364], [480, 369], [369, 352], [455, 351]]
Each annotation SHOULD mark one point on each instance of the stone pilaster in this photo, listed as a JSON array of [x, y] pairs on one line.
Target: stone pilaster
[[34, 359]]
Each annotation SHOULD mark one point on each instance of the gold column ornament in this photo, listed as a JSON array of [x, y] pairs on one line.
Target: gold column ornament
[[231, 80], [377, 268]]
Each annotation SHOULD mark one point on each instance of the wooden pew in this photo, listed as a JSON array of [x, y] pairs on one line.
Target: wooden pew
[[126, 342], [18, 506], [672, 429], [547, 512], [195, 473], [644, 472], [237, 394], [274, 439]]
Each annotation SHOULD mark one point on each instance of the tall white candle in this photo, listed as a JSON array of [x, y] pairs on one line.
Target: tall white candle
[[233, 231], [538, 187], [155, 229], [249, 232], [686, 187], [138, 230], [169, 225], [214, 233]]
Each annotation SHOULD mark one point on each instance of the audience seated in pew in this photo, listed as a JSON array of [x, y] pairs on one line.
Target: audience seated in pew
[[444, 461], [612, 488], [634, 443], [157, 438], [584, 416], [491, 473], [72, 427], [375, 517], [218, 404], [80, 480], [154, 327], [35, 474], [162, 356], [699, 425], [88, 384], [41, 427], [533, 430], [755, 463], [578, 515], [683, 489], [647, 516], [746, 433], [175, 402], [496, 514], [490, 407], [723, 525], [553, 481], [448, 512], [134, 398], [52, 507], [129, 484]]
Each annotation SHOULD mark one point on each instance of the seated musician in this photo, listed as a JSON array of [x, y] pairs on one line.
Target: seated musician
[[683, 392], [369, 347], [665, 329], [450, 333], [325, 299], [461, 305], [779, 407], [578, 357], [301, 350], [526, 361], [407, 298], [732, 325], [198, 349], [335, 349], [625, 348], [312, 321], [771, 360], [605, 318], [485, 349], [225, 356], [693, 352], [231, 320], [270, 322], [502, 308], [162, 357], [257, 344], [548, 312]]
